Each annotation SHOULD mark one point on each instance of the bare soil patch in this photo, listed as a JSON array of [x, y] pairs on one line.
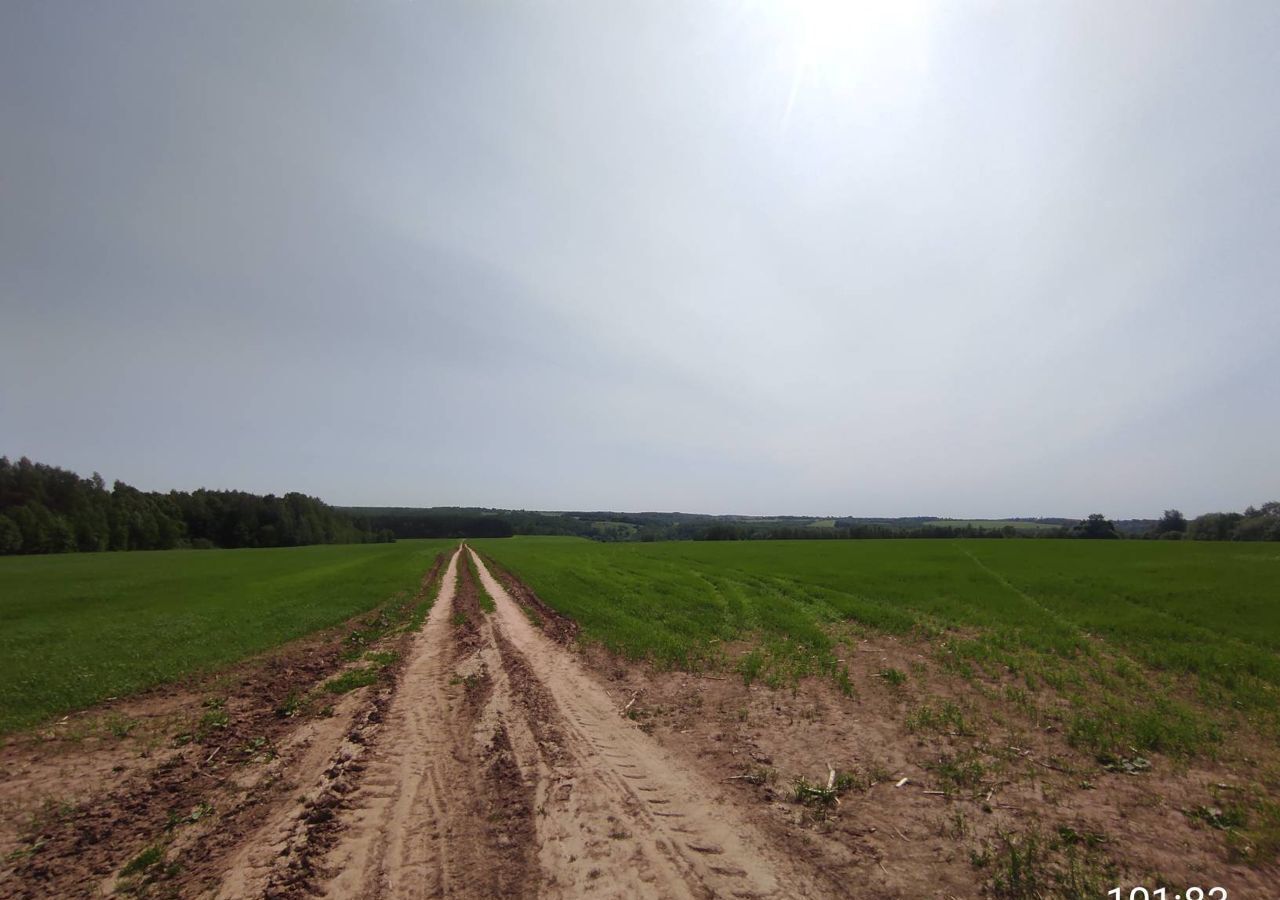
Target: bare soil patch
[[149, 794], [982, 777]]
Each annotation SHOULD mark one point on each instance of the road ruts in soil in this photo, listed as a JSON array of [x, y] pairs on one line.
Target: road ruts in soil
[[499, 768], [618, 816], [442, 808]]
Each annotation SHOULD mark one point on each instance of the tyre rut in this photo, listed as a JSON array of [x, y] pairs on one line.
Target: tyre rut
[[616, 807], [499, 767]]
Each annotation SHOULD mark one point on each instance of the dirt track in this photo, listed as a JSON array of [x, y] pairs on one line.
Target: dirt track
[[503, 769]]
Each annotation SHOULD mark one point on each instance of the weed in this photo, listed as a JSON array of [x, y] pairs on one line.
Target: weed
[[893, 677], [482, 593], [215, 717], [1128, 765], [120, 726], [143, 861], [806, 792], [290, 706], [260, 748], [350, 680], [955, 827], [824, 796], [1232, 816], [957, 772], [750, 666], [845, 683], [470, 681], [1032, 866], [1257, 840], [945, 719], [532, 615], [758, 775]]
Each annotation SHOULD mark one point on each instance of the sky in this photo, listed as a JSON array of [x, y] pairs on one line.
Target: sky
[[970, 259]]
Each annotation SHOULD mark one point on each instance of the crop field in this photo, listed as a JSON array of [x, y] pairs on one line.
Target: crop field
[[79, 628], [1008, 718], [1152, 645]]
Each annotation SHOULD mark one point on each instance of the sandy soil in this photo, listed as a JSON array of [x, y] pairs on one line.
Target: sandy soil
[[503, 769], [501, 759]]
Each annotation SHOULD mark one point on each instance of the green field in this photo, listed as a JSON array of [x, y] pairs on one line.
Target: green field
[[1154, 644], [992, 523], [78, 628], [1147, 644]]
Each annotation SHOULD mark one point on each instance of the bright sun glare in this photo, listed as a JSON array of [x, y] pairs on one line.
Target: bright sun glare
[[842, 46], [829, 30]]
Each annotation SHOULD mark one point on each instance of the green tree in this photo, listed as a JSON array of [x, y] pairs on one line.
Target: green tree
[[1096, 527], [1214, 526], [10, 536], [1172, 520]]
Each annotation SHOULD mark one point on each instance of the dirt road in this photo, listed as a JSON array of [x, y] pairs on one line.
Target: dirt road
[[501, 768]]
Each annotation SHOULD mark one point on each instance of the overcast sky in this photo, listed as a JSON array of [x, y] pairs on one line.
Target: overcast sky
[[966, 259]]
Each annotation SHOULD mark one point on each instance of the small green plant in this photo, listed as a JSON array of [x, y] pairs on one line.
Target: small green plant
[[1064, 865], [838, 783], [751, 665], [957, 772], [350, 680], [758, 775], [845, 683], [945, 719], [259, 747], [956, 826], [470, 681], [215, 717], [1223, 818], [809, 793], [482, 594], [1256, 839], [532, 615], [120, 726], [149, 857], [290, 706], [893, 677]]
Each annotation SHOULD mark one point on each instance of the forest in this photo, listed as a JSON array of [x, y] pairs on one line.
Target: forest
[[46, 509]]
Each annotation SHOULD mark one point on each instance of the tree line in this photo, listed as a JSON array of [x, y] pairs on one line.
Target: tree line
[[746, 532], [46, 509], [1256, 523], [409, 524], [1260, 523]]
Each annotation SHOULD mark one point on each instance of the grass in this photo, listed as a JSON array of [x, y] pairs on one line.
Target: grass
[[1145, 641], [482, 595], [79, 628], [351, 679], [1063, 865]]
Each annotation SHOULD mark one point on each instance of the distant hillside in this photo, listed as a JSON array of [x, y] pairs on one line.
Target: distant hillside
[[453, 521], [600, 525]]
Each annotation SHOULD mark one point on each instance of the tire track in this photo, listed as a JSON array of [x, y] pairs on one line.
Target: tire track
[[617, 815], [498, 767], [442, 796]]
